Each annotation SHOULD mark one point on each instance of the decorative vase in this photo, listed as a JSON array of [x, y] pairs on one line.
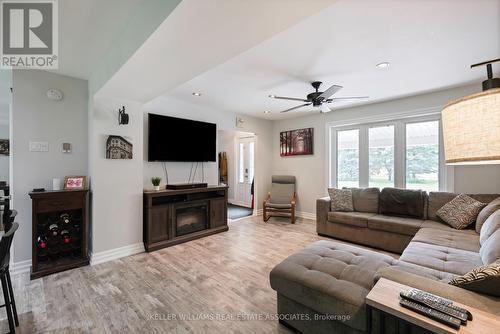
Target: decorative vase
[[157, 188]]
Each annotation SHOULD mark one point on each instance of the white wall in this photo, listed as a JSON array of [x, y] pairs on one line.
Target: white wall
[[36, 118], [311, 170], [179, 171], [116, 184], [226, 142]]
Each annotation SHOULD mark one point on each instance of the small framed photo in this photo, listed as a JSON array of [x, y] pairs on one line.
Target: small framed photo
[[75, 182]]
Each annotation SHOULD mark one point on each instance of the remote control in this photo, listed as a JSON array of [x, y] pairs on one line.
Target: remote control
[[416, 296], [429, 312], [440, 300]]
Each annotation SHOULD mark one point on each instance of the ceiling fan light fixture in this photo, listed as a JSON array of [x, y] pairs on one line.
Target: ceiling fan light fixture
[[384, 64], [272, 96], [196, 94], [267, 112]]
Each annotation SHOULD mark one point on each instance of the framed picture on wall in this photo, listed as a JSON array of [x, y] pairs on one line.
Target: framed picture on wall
[[118, 147], [4, 147], [75, 182], [297, 142]]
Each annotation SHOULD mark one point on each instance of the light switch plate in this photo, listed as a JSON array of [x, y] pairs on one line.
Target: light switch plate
[[39, 146]]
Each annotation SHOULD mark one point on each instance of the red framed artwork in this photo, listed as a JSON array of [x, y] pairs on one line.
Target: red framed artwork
[[297, 142]]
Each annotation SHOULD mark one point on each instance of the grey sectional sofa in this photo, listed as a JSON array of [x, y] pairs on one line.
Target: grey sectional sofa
[[328, 280]]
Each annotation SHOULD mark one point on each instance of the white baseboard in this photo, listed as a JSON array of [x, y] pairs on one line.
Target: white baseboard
[[20, 267], [238, 203], [116, 253]]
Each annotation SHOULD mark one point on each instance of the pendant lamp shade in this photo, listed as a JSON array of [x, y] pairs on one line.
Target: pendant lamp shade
[[471, 129]]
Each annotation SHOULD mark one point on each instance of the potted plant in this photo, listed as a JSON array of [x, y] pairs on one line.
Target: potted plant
[[155, 180]]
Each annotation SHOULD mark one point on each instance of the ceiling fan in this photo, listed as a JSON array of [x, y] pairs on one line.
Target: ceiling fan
[[317, 98]]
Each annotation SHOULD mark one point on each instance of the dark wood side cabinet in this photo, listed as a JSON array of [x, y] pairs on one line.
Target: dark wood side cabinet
[[175, 216], [59, 231]]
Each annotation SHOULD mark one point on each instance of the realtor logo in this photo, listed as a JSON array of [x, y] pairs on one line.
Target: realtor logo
[[29, 34]]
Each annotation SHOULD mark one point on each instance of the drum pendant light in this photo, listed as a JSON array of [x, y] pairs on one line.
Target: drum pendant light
[[471, 125]]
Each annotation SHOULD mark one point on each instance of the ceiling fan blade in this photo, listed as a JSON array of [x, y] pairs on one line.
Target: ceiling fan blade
[[287, 98], [297, 107], [324, 108], [346, 98], [330, 91]]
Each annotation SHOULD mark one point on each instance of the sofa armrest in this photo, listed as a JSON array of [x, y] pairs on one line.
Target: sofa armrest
[[322, 208], [482, 302]]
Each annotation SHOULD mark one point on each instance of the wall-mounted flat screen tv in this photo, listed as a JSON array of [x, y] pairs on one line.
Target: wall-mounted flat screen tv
[[178, 139]]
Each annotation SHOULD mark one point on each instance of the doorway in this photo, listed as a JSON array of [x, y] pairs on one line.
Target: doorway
[[237, 170]]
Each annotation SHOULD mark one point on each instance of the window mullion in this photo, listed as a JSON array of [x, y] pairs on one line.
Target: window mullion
[[364, 165], [399, 155]]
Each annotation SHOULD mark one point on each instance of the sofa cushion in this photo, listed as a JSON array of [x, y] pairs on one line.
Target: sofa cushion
[[461, 239], [484, 279], [402, 202], [401, 225], [461, 211], [350, 218], [490, 250], [330, 278], [489, 227], [486, 212], [437, 225], [437, 199], [365, 199], [450, 260], [341, 199]]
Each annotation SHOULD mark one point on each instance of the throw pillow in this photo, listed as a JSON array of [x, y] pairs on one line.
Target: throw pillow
[[484, 279], [340, 199], [489, 227], [487, 212], [460, 212]]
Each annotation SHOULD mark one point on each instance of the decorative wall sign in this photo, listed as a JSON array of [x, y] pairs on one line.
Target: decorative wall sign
[[4, 147], [75, 182], [118, 147], [297, 142]]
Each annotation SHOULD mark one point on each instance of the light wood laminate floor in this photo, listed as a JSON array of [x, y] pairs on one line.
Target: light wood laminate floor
[[170, 290]]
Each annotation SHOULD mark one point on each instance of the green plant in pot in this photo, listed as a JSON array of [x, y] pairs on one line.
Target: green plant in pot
[[155, 180]]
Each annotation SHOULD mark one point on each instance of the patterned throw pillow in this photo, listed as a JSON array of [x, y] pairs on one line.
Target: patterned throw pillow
[[484, 279], [460, 212], [340, 199]]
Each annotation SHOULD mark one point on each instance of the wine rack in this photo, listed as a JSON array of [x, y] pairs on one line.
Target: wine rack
[[59, 230]]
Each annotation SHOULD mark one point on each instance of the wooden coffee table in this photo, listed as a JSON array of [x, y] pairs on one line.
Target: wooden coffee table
[[384, 297]]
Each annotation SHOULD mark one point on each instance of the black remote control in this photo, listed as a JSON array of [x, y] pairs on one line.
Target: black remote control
[[431, 313], [443, 301], [435, 303]]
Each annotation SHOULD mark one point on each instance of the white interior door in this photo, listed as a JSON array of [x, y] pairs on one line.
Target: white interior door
[[245, 170]]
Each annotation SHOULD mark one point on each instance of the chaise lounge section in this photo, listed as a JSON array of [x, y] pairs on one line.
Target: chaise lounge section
[[333, 278]]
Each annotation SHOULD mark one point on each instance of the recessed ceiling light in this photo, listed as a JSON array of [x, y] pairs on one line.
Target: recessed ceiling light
[[384, 64], [197, 94], [267, 112], [272, 96]]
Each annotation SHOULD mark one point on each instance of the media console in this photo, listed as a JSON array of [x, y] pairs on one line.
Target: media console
[[176, 216]]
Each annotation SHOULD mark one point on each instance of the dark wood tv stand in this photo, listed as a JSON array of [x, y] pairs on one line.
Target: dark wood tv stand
[[176, 216]]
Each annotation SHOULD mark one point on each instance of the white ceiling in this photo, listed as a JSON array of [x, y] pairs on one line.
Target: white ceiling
[[199, 35], [86, 27], [429, 44]]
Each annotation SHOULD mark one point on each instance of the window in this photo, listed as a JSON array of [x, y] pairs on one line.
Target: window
[[251, 169], [422, 155], [241, 164], [348, 158], [381, 156], [403, 153]]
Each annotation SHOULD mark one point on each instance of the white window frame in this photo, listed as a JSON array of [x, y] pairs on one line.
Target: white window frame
[[399, 121]]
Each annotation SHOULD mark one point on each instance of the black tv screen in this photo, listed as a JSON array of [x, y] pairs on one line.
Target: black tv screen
[[178, 139]]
